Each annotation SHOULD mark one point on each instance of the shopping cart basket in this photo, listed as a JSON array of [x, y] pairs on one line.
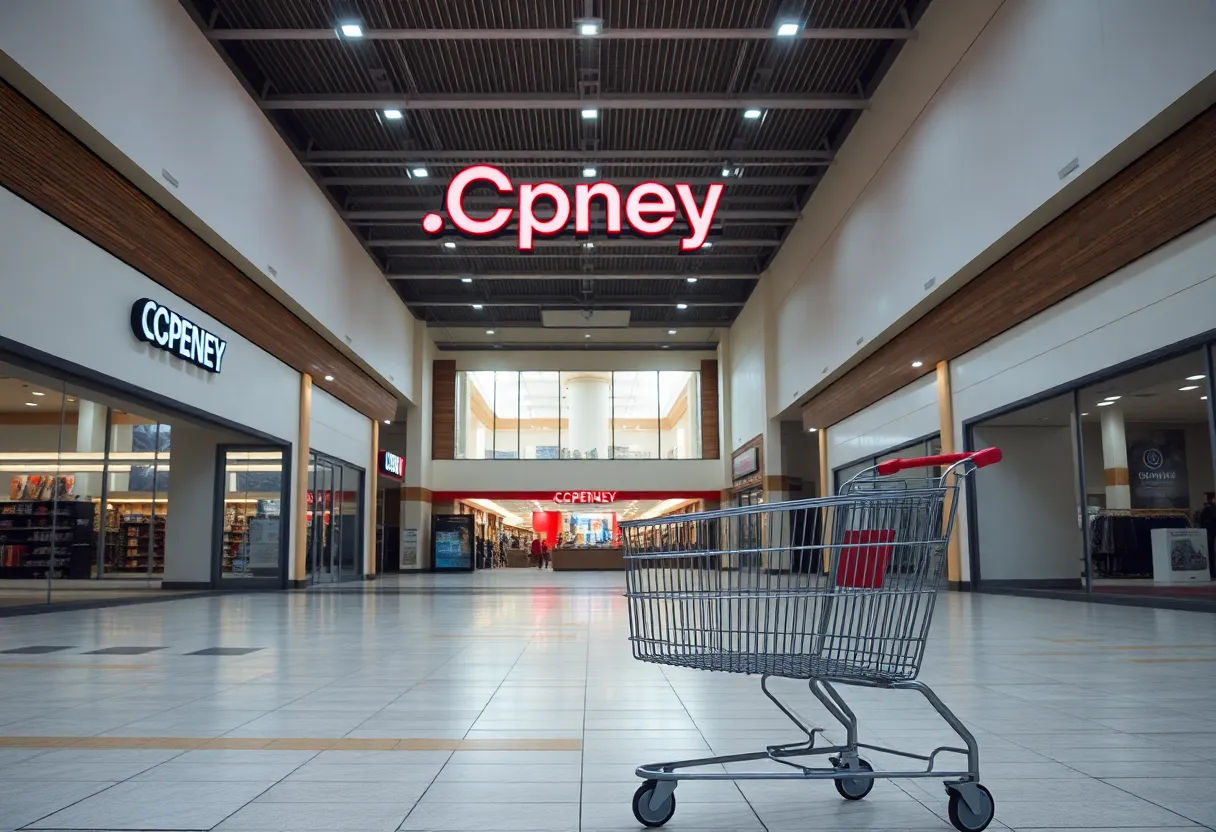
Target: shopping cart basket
[[836, 590]]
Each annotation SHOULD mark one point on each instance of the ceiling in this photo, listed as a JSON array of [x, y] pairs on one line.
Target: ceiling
[[506, 83]]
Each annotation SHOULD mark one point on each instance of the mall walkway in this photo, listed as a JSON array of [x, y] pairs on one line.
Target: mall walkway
[[510, 702]]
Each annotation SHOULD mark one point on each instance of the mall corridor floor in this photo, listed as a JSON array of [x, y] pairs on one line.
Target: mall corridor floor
[[510, 701]]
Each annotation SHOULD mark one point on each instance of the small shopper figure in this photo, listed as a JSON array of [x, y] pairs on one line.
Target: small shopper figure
[[536, 552], [544, 555], [1207, 519]]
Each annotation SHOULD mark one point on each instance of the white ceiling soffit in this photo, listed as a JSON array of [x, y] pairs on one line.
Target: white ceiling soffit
[[585, 318]]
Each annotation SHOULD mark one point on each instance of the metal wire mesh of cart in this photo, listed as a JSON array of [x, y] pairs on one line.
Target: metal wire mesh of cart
[[838, 588]]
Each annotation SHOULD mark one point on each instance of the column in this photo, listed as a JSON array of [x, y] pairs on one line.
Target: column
[[373, 494], [589, 414], [1114, 458], [945, 427], [416, 506], [299, 501], [190, 520], [90, 439]]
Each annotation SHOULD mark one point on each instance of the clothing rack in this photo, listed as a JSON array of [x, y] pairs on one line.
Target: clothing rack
[[1121, 539]]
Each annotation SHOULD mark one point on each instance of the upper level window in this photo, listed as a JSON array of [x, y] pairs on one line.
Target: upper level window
[[579, 414]]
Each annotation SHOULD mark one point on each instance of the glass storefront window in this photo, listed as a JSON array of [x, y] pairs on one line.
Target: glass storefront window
[[635, 415], [539, 420], [506, 415], [680, 414], [253, 508], [475, 415]]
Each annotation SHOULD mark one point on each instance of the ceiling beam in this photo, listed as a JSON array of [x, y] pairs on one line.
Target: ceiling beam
[[729, 214], [323, 157], [562, 101], [808, 33], [570, 276], [439, 182], [564, 302], [575, 242]]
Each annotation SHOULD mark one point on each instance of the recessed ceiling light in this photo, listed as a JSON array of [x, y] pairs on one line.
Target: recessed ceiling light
[[589, 173], [477, 306], [690, 279], [420, 173], [726, 171], [329, 378], [393, 115], [489, 332], [665, 346], [37, 393], [707, 244], [671, 332], [588, 245], [388, 421], [1105, 404], [918, 363], [787, 30], [812, 430], [1189, 387], [71, 399], [31, 404], [1112, 398], [1195, 378], [588, 335], [590, 114], [681, 306], [351, 30], [1084, 414], [1203, 398], [589, 28], [466, 280], [448, 244], [752, 113]]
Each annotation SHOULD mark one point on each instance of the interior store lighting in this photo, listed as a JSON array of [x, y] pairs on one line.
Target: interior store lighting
[[495, 508], [663, 508]]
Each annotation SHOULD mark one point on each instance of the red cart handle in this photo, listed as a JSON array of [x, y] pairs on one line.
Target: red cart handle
[[987, 456]]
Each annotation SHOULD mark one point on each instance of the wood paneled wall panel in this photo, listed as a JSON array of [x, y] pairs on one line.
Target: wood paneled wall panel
[[443, 410], [46, 166], [1163, 194], [711, 446]]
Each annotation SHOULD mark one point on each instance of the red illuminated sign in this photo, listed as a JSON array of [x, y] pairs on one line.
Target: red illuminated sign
[[585, 497], [649, 209]]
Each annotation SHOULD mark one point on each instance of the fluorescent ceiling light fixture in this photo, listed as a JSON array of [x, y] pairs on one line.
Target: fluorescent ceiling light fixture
[[918, 363], [753, 113], [31, 404], [466, 280], [707, 244], [420, 173], [449, 244], [588, 28], [1188, 387], [588, 335], [812, 430], [477, 306], [1084, 414], [1203, 398], [588, 173], [590, 114], [388, 421], [393, 115], [681, 306], [37, 393], [726, 171], [329, 378], [1105, 404], [1195, 378], [690, 279], [489, 332], [788, 30], [666, 346], [351, 30], [671, 332], [1112, 398], [588, 245]]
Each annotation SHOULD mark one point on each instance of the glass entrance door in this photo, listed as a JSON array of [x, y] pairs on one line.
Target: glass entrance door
[[325, 490]]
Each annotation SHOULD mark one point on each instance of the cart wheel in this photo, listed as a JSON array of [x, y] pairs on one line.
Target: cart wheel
[[964, 819], [641, 806], [855, 788]]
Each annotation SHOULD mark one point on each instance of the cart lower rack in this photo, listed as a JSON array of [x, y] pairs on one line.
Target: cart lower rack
[[834, 591]]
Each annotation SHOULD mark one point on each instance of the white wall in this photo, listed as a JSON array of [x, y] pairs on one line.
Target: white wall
[[189, 523], [906, 415], [962, 144], [66, 297], [473, 476], [151, 94], [1162, 298], [555, 361], [339, 430], [747, 358], [1027, 506]]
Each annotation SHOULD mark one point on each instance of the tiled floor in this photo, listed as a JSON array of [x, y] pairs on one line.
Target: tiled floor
[[510, 701]]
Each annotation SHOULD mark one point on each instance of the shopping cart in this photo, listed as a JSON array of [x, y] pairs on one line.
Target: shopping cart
[[836, 590]]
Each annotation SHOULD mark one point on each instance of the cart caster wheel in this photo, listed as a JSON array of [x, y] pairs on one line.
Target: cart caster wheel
[[855, 788], [966, 820], [641, 806]]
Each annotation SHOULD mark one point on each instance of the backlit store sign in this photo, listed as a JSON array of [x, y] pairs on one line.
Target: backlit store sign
[[649, 209], [565, 497], [392, 465], [178, 336]]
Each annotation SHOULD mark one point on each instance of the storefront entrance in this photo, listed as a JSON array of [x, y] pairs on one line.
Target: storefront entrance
[[335, 506]]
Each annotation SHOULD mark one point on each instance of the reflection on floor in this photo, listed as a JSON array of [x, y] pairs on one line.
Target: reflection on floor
[[34, 593], [510, 701]]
